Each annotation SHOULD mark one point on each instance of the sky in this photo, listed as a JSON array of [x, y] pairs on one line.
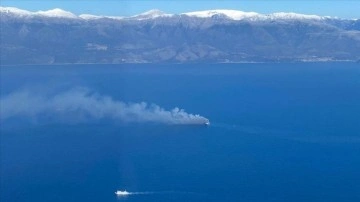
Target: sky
[[334, 8]]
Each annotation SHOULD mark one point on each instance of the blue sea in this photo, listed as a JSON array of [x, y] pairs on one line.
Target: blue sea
[[278, 132]]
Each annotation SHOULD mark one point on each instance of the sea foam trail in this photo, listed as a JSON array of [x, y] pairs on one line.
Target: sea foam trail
[[126, 193], [80, 104], [143, 193]]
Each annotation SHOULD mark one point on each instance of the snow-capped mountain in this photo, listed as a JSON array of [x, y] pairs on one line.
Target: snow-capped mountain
[[294, 16], [58, 36], [240, 15], [54, 13], [231, 14], [152, 14], [96, 17], [15, 11]]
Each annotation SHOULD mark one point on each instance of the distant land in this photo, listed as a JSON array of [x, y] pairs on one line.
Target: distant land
[[214, 36]]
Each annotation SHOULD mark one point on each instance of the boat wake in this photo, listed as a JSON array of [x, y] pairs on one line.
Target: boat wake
[[125, 193]]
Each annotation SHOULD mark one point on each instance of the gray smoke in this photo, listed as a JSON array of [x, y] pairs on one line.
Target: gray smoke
[[82, 104]]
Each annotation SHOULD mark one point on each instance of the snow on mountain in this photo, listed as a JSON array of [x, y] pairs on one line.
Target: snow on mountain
[[151, 14], [240, 15], [13, 10], [143, 16], [232, 14], [54, 13], [90, 17], [57, 13], [95, 17], [294, 16], [157, 37]]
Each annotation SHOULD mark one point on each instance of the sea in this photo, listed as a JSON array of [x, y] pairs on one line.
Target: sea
[[278, 132]]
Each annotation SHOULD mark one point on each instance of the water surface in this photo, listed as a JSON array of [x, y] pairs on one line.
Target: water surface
[[279, 132]]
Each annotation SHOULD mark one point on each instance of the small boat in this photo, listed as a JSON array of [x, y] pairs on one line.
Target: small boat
[[122, 193], [207, 123]]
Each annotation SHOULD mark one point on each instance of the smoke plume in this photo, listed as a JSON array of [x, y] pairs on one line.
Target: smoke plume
[[81, 105]]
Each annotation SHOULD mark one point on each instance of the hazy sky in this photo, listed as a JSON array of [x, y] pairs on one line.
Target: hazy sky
[[339, 8]]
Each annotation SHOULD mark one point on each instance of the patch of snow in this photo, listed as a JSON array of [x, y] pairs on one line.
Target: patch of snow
[[95, 17], [294, 16], [232, 14], [240, 15], [115, 17], [15, 11], [90, 17], [56, 13], [151, 14]]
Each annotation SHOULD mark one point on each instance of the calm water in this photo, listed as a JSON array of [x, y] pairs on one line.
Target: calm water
[[279, 132]]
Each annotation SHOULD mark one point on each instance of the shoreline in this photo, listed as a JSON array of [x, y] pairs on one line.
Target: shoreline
[[184, 63]]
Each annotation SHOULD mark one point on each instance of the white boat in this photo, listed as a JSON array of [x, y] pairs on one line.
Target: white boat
[[122, 193], [207, 123]]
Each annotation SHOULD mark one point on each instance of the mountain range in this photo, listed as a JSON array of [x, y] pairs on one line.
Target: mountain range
[[213, 36]]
